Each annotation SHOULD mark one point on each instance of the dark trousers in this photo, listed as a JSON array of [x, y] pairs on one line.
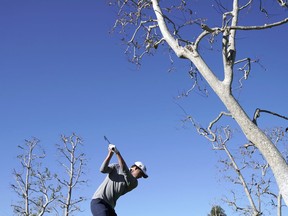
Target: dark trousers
[[100, 208]]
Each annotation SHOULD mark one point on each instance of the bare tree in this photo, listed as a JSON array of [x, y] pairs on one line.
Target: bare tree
[[39, 191], [34, 185], [73, 163], [146, 24]]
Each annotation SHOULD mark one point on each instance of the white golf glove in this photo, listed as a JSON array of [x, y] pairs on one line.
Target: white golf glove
[[113, 148]]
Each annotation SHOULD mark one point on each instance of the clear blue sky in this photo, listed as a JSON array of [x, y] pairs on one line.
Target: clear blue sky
[[62, 72]]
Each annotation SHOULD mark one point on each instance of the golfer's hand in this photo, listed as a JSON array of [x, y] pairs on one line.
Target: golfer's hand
[[113, 148]]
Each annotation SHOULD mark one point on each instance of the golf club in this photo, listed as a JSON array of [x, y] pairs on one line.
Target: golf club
[[105, 138]]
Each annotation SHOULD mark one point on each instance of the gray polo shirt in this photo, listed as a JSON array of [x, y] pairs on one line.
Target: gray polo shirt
[[117, 183]]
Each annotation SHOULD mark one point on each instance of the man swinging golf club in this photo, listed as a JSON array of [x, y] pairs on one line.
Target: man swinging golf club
[[119, 180]]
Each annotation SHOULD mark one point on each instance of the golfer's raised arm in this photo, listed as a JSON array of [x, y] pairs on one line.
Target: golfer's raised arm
[[104, 167], [121, 161]]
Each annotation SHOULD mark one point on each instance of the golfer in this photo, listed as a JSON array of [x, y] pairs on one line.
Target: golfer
[[119, 180]]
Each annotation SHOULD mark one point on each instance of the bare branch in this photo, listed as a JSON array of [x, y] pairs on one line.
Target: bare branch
[[242, 179], [258, 111], [266, 26]]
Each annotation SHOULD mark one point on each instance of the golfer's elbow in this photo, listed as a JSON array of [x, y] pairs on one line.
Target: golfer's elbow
[[104, 169]]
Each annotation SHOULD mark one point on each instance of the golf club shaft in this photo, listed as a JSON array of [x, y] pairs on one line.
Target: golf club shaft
[[105, 138]]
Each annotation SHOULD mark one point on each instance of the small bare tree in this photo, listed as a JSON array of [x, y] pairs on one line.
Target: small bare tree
[[73, 161], [34, 186], [146, 24]]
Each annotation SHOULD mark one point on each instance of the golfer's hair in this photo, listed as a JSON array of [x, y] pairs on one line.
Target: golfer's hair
[[133, 166]]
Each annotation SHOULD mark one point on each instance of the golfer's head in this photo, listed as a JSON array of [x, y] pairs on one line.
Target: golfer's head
[[139, 170]]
